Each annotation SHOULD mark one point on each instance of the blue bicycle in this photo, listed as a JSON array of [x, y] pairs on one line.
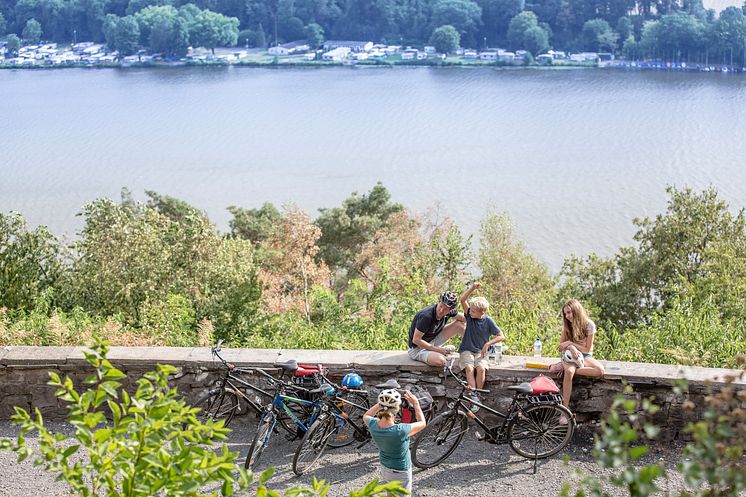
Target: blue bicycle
[[348, 405]]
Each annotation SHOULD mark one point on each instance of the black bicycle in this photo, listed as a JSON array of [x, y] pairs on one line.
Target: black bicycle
[[223, 401], [535, 426], [338, 421]]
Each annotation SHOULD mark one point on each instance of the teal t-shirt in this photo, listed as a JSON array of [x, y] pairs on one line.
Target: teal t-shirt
[[393, 442]]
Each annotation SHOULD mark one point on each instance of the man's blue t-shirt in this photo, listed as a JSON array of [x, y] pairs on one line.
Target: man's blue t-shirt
[[478, 332], [393, 442]]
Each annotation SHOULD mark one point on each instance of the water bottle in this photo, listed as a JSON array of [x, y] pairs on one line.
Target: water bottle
[[537, 347], [499, 353], [491, 353]]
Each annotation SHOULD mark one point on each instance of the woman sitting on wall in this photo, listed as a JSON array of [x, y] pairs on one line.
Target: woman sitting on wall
[[576, 348]]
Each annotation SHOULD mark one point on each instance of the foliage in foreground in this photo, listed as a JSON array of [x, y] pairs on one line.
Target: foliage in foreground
[[150, 443], [712, 464]]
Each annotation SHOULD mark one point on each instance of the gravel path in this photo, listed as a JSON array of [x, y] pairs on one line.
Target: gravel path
[[475, 469]]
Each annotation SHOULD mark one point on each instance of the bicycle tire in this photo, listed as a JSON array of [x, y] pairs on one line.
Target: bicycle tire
[[345, 434], [217, 404], [439, 439], [287, 423], [261, 440], [313, 444], [536, 432]]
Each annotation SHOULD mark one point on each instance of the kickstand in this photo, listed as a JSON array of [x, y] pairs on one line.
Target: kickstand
[[536, 458]]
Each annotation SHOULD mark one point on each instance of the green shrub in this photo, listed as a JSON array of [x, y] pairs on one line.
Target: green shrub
[[153, 444]]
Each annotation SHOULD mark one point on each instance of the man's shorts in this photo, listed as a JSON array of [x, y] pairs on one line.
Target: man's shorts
[[473, 359], [420, 354]]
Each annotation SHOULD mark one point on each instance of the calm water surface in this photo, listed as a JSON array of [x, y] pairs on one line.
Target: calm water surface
[[573, 156]]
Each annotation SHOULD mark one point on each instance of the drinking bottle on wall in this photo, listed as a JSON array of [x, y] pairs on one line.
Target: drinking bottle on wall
[[537, 347]]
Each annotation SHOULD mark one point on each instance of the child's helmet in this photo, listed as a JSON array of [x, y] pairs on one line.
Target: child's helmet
[[448, 299], [568, 357], [352, 380], [389, 398]]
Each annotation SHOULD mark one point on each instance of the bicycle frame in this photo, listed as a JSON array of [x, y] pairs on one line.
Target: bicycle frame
[[495, 434]]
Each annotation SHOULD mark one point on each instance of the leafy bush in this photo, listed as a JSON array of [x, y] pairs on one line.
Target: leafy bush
[[712, 464], [147, 444]]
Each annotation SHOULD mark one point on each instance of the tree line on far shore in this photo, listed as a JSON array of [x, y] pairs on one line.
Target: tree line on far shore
[[159, 272], [672, 30]]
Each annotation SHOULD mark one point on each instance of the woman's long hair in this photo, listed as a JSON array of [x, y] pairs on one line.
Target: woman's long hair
[[577, 330]]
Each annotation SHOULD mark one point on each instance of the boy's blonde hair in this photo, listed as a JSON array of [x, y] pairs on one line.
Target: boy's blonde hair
[[479, 304]]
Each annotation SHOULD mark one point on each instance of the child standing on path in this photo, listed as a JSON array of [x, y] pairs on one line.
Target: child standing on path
[[476, 342]]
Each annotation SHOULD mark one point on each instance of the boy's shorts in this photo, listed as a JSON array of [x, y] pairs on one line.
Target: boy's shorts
[[473, 359]]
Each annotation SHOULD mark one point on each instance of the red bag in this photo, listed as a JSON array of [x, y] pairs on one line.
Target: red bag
[[542, 384]]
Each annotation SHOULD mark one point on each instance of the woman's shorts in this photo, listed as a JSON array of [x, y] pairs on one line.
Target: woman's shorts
[[401, 475]]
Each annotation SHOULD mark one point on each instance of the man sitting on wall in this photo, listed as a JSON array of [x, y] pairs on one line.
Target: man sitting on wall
[[430, 330]]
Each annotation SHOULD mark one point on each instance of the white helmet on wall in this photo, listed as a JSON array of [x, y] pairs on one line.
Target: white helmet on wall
[[389, 399]]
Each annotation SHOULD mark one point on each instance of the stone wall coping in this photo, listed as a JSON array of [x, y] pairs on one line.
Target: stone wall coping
[[360, 360]]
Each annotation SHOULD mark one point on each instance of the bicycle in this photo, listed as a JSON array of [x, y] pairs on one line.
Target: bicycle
[[348, 404], [223, 400], [335, 414], [532, 426]]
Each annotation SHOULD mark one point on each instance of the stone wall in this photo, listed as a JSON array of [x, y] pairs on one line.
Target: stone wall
[[24, 372]]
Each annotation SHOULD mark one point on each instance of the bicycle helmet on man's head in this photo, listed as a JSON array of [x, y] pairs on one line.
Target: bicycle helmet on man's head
[[448, 299], [390, 399]]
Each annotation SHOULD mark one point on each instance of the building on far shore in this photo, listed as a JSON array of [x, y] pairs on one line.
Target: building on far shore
[[354, 46], [291, 48]]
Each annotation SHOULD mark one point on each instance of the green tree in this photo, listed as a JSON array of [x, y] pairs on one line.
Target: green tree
[[314, 35], [464, 15], [445, 39], [210, 30], [163, 30], [345, 229], [261, 38], [32, 32], [509, 273], [255, 225], [247, 37], [140, 445], [729, 31], [536, 40], [3, 24], [13, 44], [122, 34], [598, 36], [30, 262], [625, 28], [496, 16], [451, 254], [521, 24]]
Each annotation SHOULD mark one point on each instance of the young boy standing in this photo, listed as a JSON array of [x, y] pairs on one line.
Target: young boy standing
[[479, 328]]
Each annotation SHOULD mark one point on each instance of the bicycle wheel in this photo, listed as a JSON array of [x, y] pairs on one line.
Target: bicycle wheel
[[537, 431], [439, 439], [287, 423], [217, 404], [261, 440], [353, 409], [313, 444]]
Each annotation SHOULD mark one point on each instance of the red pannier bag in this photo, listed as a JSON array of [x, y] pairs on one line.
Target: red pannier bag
[[542, 384]]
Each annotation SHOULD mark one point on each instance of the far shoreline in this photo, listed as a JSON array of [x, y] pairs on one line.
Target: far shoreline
[[619, 66]]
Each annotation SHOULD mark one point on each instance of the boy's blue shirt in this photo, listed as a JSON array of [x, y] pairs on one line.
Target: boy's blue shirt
[[478, 333]]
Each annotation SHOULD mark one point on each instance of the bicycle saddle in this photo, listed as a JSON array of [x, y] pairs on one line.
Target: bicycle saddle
[[392, 383], [290, 365], [522, 388]]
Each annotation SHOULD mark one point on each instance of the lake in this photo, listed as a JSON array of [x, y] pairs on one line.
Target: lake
[[572, 155]]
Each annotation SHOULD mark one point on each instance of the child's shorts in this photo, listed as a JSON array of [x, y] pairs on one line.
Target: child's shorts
[[473, 359]]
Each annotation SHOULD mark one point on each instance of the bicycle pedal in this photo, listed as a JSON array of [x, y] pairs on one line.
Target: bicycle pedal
[[480, 436]]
